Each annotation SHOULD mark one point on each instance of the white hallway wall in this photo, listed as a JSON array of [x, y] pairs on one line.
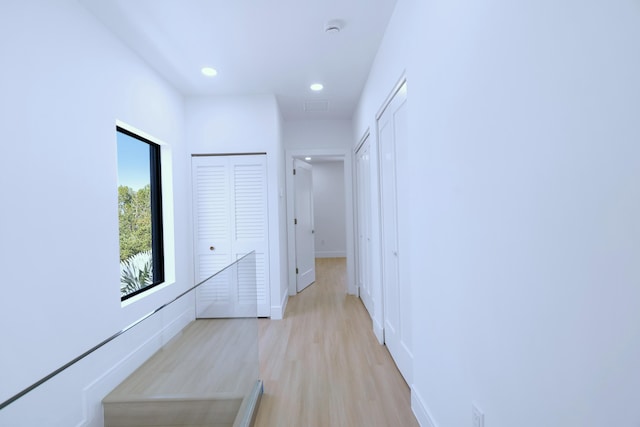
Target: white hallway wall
[[64, 82], [317, 134], [248, 124], [523, 148], [329, 209]]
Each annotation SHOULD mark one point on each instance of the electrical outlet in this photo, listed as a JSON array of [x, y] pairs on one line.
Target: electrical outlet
[[477, 416]]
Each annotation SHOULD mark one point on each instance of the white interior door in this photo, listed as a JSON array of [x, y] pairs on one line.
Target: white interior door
[[303, 211], [363, 224], [396, 295], [230, 220]]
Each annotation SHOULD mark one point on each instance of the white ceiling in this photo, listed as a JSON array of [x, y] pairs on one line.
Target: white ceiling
[[258, 46]]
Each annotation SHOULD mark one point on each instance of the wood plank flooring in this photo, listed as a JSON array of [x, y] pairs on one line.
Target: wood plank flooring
[[210, 358], [322, 366], [200, 378]]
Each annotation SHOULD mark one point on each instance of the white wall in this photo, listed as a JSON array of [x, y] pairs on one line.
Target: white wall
[[523, 150], [246, 124], [317, 134], [329, 209], [64, 82]]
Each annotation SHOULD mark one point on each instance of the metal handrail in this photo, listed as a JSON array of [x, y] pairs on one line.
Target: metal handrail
[[111, 338]]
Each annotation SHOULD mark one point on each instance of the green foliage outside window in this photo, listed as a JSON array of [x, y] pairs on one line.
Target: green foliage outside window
[[136, 266], [136, 272], [135, 220]]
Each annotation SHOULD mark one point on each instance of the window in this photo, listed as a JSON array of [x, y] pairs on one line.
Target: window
[[139, 213]]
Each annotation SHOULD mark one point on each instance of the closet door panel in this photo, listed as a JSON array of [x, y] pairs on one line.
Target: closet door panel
[[230, 220]]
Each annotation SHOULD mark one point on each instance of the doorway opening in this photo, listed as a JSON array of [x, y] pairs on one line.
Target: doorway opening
[[331, 214]]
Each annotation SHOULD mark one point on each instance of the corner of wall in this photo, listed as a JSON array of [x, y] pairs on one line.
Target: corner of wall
[[277, 311]]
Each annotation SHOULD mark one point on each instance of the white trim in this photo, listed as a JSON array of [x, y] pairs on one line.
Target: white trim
[[139, 132], [360, 143], [331, 254], [404, 359], [356, 249], [345, 153], [277, 311], [420, 409], [378, 330], [392, 94]]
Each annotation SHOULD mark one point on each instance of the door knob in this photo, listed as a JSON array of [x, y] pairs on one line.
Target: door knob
[[211, 248]]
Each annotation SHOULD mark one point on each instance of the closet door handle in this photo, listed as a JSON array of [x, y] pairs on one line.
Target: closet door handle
[[211, 248]]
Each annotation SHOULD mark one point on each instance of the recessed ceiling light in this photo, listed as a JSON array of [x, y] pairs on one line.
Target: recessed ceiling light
[[209, 71], [307, 158], [316, 87]]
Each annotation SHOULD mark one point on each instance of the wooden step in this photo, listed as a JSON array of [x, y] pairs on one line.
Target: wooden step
[[171, 412], [202, 377]]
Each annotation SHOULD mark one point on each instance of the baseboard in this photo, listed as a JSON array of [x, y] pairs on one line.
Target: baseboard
[[277, 312], [378, 330], [331, 254], [420, 409], [94, 392]]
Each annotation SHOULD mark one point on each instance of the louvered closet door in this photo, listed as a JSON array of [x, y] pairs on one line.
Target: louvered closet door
[[212, 222], [231, 218], [249, 232]]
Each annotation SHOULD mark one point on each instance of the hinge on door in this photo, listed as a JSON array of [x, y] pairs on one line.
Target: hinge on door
[[294, 171], [296, 270], [295, 221]]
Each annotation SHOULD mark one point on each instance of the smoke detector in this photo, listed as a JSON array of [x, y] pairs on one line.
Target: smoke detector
[[333, 26]]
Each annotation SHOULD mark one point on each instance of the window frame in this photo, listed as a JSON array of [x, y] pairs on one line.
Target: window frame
[[157, 225]]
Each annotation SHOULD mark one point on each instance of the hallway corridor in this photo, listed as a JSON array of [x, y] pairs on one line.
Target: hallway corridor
[[322, 366]]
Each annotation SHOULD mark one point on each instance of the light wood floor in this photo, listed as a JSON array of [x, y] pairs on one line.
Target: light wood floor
[[194, 365], [322, 366], [192, 381]]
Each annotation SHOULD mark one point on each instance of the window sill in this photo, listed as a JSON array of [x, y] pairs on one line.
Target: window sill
[[144, 294]]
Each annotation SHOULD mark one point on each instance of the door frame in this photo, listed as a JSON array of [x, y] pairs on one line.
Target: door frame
[[383, 289], [356, 216], [300, 230], [346, 155], [377, 316]]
